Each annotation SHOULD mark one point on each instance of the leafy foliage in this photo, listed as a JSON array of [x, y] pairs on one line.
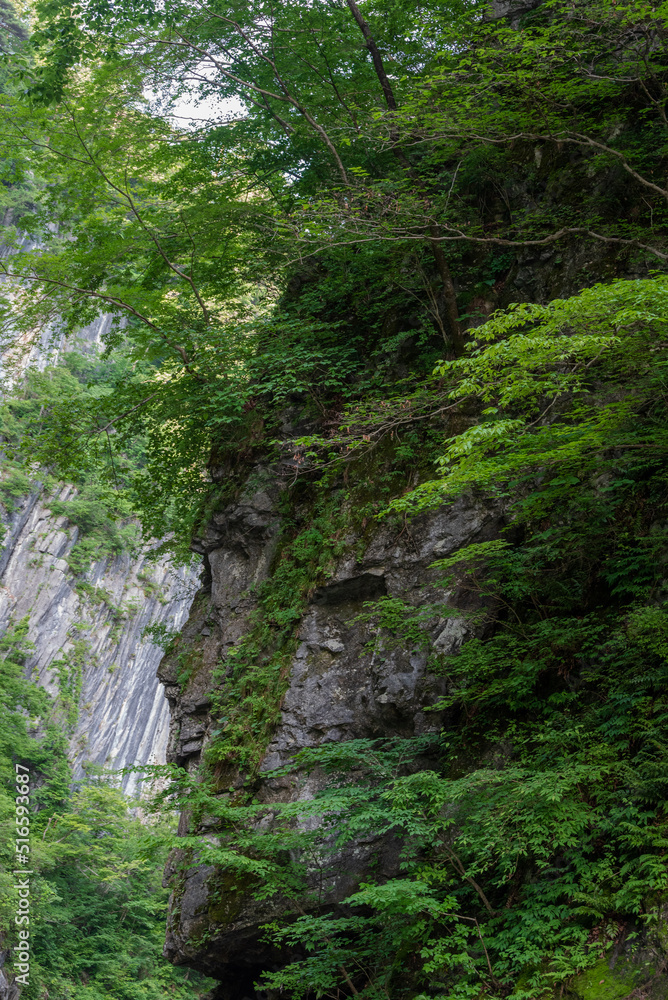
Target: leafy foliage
[[186, 234], [533, 833], [97, 908], [280, 280], [63, 396]]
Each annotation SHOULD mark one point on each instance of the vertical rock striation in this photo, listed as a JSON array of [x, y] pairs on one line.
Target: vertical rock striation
[[89, 649]]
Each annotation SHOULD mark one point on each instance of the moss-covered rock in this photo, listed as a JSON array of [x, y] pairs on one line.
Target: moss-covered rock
[[602, 983]]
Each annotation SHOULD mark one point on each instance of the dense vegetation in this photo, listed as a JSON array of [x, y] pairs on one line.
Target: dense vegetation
[[537, 845], [101, 509], [97, 906], [310, 274]]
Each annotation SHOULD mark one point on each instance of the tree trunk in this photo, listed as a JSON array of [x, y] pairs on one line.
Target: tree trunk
[[451, 316]]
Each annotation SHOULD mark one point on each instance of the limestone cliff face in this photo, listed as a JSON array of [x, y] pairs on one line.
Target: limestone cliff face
[[88, 646], [338, 690], [87, 633]]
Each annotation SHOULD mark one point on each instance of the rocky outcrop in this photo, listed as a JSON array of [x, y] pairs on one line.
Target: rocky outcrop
[[87, 634], [8, 988], [512, 9], [339, 689]]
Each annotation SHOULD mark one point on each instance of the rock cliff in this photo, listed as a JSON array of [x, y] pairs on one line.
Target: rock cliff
[[89, 651], [338, 689]]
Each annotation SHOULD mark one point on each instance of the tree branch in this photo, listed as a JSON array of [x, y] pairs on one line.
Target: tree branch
[[287, 97], [112, 300], [450, 296]]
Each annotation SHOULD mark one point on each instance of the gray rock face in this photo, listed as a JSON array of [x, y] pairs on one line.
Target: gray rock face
[[8, 988], [345, 683], [513, 9], [93, 636]]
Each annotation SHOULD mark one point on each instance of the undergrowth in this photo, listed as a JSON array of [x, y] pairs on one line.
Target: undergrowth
[[533, 832]]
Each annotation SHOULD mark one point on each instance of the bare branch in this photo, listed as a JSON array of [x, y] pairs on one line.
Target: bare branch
[[453, 235]]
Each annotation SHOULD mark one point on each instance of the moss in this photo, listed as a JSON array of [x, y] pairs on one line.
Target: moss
[[150, 587], [602, 983], [230, 892], [190, 664], [255, 674], [320, 522], [69, 669], [96, 595]]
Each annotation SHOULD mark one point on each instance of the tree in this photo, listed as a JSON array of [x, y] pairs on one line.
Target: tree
[[306, 84]]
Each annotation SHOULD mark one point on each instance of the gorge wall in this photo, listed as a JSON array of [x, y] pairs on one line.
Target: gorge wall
[[89, 649], [87, 630], [337, 688]]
